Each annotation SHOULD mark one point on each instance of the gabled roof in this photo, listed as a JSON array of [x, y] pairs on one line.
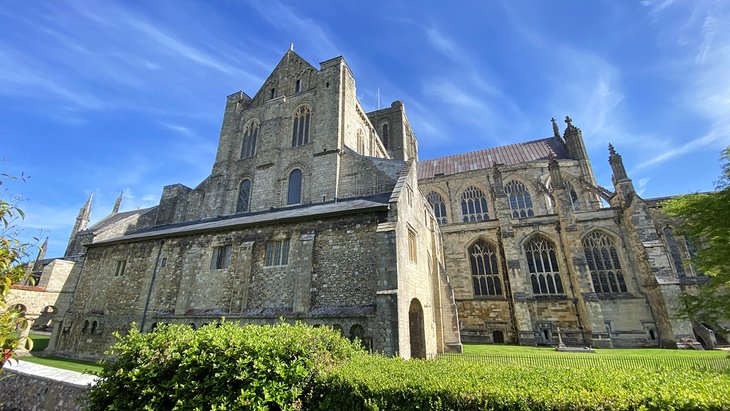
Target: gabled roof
[[288, 58], [507, 155]]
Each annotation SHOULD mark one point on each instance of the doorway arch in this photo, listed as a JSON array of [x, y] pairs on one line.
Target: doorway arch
[[416, 329]]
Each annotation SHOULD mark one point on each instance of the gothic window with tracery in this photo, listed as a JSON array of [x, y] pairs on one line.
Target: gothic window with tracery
[[244, 195], [474, 205], [484, 269], [439, 206], [300, 126], [603, 262], [250, 135], [519, 199], [542, 264]]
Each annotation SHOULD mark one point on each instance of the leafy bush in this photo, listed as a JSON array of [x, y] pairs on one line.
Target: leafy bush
[[215, 368], [377, 383]]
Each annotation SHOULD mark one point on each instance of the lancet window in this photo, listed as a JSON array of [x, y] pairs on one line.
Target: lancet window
[[300, 126], [244, 196], [250, 135]]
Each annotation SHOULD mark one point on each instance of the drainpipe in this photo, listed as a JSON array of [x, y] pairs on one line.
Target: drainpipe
[[152, 283]]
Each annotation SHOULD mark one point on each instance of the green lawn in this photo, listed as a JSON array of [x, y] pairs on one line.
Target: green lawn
[[492, 349], [40, 342]]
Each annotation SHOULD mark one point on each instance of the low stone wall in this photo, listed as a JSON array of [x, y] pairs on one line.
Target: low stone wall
[[28, 386]]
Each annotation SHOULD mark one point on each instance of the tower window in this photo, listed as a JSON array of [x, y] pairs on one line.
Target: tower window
[[244, 194], [294, 194], [250, 135], [120, 267], [386, 136], [272, 93], [300, 126], [298, 86]]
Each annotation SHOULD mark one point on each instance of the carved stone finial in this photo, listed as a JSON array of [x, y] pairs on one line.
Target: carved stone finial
[[556, 130], [569, 121], [611, 150], [291, 46], [117, 203]]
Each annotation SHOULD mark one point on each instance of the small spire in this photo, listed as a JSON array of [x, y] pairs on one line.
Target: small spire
[[117, 203], [86, 210], [611, 150], [291, 46], [617, 164], [556, 130]]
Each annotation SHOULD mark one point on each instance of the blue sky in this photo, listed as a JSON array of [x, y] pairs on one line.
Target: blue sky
[[128, 96]]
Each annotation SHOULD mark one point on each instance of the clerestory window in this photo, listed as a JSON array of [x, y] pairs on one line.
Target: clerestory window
[[519, 199], [484, 269], [602, 259], [542, 264], [300, 126], [474, 205], [439, 206]]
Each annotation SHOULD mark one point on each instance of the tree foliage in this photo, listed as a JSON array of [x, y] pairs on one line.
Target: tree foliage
[[705, 221], [11, 269]]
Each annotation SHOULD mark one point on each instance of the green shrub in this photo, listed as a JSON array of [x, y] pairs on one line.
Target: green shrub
[[215, 368], [377, 383]]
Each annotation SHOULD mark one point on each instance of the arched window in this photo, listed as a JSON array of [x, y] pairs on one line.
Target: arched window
[[300, 126], [519, 199], [674, 251], [94, 325], [85, 327], [542, 264], [244, 195], [474, 205], [603, 262], [357, 332], [439, 206], [295, 187], [250, 135], [360, 142], [573, 195], [484, 269], [385, 136]]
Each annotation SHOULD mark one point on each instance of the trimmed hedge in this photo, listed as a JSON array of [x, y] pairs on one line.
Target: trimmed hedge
[[377, 383], [217, 367]]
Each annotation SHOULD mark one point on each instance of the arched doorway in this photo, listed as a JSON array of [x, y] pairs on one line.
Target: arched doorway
[[415, 326]]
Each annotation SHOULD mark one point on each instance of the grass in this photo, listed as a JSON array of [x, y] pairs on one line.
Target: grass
[[40, 342], [490, 349]]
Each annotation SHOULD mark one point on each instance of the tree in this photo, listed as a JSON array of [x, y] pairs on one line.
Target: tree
[[705, 221], [11, 270]]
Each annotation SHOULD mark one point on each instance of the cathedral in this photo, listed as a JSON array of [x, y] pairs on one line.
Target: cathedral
[[318, 211]]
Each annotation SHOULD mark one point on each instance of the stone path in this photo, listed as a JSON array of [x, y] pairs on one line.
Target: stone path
[[51, 373]]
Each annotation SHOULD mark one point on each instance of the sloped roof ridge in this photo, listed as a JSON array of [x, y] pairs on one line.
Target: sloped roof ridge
[[510, 154]]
